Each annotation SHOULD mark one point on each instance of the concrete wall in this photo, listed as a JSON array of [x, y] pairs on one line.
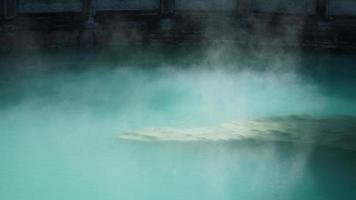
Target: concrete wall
[[342, 7], [126, 5], [45, 6], [298, 7], [206, 4]]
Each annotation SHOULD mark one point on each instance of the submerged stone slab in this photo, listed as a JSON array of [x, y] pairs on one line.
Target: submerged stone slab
[[337, 132]]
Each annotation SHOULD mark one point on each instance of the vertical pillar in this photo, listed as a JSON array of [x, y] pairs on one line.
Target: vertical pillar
[[244, 8], [1, 9], [86, 8], [167, 7], [87, 35], [9, 8], [322, 9], [167, 11]]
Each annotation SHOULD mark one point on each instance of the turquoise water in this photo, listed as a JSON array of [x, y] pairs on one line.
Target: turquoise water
[[62, 113]]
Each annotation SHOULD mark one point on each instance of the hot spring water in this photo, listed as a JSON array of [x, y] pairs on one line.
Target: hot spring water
[[176, 123]]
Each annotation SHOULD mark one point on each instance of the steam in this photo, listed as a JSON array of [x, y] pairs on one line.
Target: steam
[[65, 109]]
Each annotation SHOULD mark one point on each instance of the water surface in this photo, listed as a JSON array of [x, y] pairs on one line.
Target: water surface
[[62, 113]]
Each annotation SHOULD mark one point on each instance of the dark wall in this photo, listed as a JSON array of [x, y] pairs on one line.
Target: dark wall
[[1, 9], [342, 7], [8, 8], [48, 6], [206, 4], [126, 5], [298, 7]]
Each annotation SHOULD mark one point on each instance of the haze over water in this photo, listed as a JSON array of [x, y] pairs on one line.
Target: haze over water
[[62, 112]]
